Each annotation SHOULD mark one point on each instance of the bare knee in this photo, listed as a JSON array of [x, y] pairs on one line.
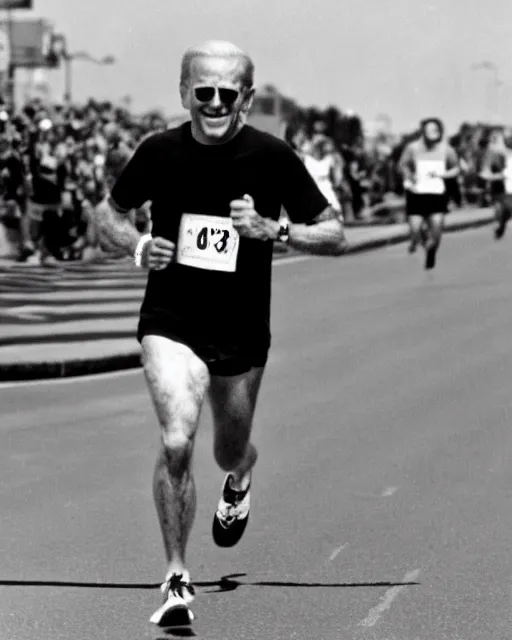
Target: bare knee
[[177, 447], [177, 382]]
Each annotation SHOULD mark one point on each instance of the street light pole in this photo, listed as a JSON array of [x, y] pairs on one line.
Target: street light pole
[[67, 78], [492, 86], [10, 67]]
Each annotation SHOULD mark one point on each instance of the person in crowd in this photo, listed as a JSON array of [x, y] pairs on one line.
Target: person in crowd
[[426, 164], [497, 172], [326, 168], [13, 194]]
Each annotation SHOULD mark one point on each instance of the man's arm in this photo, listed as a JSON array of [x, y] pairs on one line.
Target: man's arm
[[324, 236], [131, 188], [405, 165], [453, 168], [115, 230], [114, 227]]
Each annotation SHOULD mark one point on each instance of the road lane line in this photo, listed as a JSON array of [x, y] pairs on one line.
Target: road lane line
[[389, 491], [336, 552], [291, 260], [376, 612]]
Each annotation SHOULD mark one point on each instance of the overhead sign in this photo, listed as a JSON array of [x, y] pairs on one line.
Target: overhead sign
[[16, 4], [28, 42]]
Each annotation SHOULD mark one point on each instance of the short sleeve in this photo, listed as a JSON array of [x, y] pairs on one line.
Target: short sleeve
[[133, 186], [300, 194], [406, 159], [452, 159]]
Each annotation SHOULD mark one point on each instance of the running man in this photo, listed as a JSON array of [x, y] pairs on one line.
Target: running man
[[425, 165], [497, 171], [216, 188]]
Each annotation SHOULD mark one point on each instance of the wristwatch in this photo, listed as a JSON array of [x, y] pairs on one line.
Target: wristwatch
[[283, 235]]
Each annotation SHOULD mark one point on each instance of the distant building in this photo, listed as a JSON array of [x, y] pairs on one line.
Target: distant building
[[271, 111]]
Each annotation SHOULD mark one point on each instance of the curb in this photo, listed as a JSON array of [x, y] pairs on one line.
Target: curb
[[68, 368], [18, 372], [378, 243]]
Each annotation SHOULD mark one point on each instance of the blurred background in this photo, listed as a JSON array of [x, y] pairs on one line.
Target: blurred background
[[345, 85]]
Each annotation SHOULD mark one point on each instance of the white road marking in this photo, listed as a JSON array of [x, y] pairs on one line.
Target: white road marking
[[31, 312], [27, 308], [375, 614], [389, 491], [291, 260], [336, 552]]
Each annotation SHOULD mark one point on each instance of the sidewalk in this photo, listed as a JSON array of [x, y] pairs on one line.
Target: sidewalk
[[82, 318]]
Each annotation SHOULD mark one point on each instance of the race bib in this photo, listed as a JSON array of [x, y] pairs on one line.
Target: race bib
[[425, 183], [207, 242]]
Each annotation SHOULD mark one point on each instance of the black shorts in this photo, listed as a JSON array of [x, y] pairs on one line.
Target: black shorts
[[425, 204], [221, 360], [505, 202]]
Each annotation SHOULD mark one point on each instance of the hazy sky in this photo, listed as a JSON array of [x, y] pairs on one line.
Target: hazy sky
[[405, 58]]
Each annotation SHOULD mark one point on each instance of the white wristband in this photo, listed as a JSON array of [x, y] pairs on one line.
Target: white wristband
[[140, 248]]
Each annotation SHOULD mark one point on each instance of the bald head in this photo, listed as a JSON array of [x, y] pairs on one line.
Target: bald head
[[218, 49]]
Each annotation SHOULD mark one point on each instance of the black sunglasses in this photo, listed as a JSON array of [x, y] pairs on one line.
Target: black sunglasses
[[226, 96]]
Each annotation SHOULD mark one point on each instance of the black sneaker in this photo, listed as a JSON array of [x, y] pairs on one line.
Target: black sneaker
[[175, 612], [25, 253], [499, 232], [430, 260], [232, 514]]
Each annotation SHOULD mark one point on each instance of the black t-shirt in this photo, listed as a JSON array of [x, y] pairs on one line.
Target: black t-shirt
[[181, 176], [12, 177], [48, 179]]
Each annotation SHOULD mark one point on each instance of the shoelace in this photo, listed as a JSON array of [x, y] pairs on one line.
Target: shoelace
[[176, 585], [232, 501], [233, 497]]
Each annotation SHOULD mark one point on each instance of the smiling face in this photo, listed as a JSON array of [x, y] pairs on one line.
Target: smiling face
[[208, 94]]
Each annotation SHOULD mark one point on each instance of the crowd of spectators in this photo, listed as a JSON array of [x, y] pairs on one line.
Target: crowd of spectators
[[56, 163], [351, 174], [357, 172]]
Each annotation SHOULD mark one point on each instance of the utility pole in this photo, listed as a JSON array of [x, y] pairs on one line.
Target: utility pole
[[10, 67]]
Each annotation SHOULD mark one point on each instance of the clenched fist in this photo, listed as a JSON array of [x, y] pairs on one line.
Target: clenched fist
[[158, 253], [248, 222]]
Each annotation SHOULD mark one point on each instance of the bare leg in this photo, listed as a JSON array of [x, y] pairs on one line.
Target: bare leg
[[415, 223], [27, 246], [233, 400], [177, 380], [436, 223]]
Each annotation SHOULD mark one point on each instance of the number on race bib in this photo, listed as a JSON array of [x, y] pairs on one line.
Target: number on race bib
[[207, 242], [202, 239]]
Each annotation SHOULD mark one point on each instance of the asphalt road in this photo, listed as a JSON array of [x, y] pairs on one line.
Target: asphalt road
[[382, 498]]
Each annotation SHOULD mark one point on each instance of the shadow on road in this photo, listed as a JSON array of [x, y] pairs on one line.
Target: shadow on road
[[177, 633], [229, 583], [226, 583]]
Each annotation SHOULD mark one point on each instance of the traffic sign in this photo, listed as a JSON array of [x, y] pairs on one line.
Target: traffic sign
[[16, 4]]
